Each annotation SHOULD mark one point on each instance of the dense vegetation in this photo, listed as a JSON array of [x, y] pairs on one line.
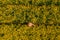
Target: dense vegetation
[[15, 14]]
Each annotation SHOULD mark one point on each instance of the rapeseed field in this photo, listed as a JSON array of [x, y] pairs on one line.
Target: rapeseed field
[[29, 19]]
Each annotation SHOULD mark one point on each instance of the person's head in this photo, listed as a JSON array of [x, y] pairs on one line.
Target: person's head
[[30, 24]]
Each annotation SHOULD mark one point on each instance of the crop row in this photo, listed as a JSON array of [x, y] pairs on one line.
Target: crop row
[[32, 2], [34, 14], [17, 32]]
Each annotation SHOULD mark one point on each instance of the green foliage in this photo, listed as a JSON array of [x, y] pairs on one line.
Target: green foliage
[[58, 3], [16, 14], [1, 34], [49, 2]]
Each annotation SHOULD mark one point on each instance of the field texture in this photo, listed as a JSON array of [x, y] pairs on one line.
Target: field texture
[[16, 14]]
